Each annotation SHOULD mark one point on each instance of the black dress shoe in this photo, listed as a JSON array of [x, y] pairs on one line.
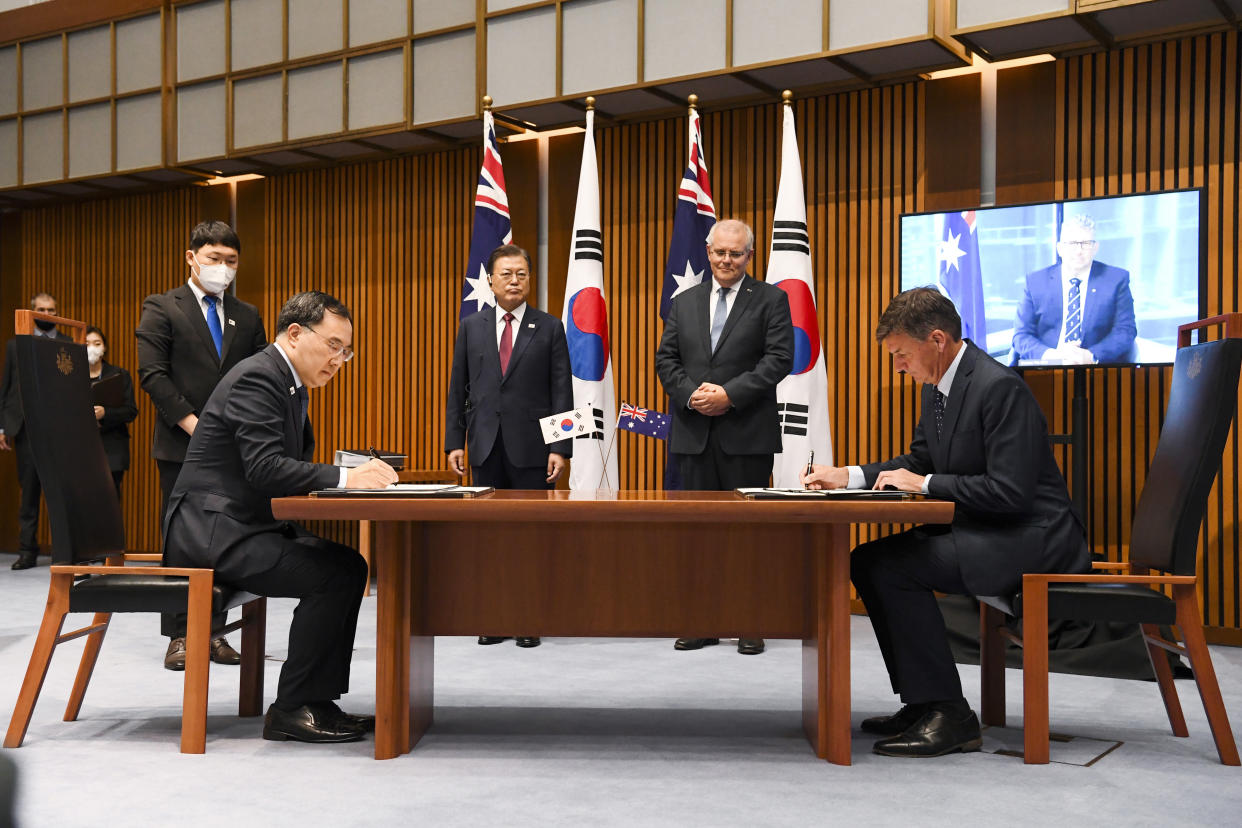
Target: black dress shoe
[[363, 724], [936, 733], [528, 641], [174, 657], [222, 653], [309, 723], [694, 643], [750, 646], [896, 723], [26, 559], [492, 639]]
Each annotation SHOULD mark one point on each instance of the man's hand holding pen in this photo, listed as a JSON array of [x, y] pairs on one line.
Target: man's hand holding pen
[[824, 477], [373, 474]]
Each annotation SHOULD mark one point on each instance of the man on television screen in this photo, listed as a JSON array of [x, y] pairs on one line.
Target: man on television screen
[[1077, 312]]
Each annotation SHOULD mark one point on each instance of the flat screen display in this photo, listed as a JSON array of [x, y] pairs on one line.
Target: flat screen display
[[1102, 281]]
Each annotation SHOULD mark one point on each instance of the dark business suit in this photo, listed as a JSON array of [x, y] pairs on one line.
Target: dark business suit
[[754, 353], [114, 426], [178, 366], [251, 444], [490, 414], [13, 423], [1012, 515], [1108, 328]]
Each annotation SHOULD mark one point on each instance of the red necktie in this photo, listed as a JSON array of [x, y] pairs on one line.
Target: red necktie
[[506, 344]]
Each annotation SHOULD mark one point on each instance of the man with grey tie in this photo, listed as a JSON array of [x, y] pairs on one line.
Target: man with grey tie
[[727, 343], [188, 339], [1079, 311]]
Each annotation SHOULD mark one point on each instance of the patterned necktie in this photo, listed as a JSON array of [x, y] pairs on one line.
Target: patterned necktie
[[506, 344], [213, 324], [722, 313], [938, 409], [1073, 312]]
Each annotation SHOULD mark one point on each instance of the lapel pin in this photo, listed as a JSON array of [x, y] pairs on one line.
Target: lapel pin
[[231, 322], [292, 391], [530, 324]]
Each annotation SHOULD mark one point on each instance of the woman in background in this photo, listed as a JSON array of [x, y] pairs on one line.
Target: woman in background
[[113, 418]]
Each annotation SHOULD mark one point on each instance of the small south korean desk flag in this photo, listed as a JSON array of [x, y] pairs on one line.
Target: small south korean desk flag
[[568, 424]]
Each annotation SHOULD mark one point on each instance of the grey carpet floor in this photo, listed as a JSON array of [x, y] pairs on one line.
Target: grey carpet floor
[[587, 732]]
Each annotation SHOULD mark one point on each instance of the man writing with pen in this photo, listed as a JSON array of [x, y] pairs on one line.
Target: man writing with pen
[[981, 442]]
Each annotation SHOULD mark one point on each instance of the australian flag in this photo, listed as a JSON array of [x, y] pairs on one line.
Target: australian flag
[[960, 276], [491, 223], [643, 421], [696, 213]]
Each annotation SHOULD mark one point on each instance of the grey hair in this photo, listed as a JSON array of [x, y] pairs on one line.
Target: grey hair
[[728, 223]]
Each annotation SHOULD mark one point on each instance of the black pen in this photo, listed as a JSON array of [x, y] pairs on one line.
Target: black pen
[[375, 454], [810, 465]]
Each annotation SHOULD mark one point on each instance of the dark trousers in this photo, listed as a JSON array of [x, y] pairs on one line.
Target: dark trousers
[[897, 578], [173, 624], [714, 470], [498, 471], [328, 578], [32, 489]]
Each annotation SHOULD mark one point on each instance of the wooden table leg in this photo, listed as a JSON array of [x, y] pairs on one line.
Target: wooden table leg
[[826, 657], [403, 666]]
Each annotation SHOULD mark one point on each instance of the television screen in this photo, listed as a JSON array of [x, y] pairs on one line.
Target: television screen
[[1089, 281]]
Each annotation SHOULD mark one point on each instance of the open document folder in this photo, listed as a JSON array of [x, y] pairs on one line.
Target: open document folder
[[761, 493], [409, 490]]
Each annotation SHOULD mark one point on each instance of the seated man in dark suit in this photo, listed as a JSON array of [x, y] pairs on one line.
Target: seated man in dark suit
[[1077, 312], [981, 442], [253, 442]]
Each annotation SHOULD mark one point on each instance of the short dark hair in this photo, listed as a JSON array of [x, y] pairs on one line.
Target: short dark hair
[[917, 312], [308, 308], [506, 250], [91, 329], [214, 232]]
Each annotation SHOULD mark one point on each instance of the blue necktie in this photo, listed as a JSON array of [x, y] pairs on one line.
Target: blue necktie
[[938, 410], [718, 320], [213, 324], [1073, 313], [303, 401]]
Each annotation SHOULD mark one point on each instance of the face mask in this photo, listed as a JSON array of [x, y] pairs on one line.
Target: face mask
[[44, 325], [94, 353], [214, 278]]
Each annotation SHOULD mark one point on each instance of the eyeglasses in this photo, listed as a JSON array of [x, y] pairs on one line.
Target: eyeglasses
[[335, 345], [513, 275], [1081, 245], [729, 254]]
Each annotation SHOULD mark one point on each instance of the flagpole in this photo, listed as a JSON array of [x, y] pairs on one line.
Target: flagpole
[[603, 475]]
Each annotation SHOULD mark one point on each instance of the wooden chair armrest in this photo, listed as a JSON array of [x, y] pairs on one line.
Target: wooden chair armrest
[[1041, 580], [152, 557], [184, 572], [1121, 566]]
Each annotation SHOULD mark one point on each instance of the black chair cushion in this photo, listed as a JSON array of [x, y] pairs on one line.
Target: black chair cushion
[[1126, 603], [146, 593]]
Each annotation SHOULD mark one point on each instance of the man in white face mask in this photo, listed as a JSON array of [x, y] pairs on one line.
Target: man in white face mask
[[188, 339]]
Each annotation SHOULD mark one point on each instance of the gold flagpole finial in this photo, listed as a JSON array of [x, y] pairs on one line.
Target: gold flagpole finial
[[487, 103], [787, 97], [590, 103], [693, 100]]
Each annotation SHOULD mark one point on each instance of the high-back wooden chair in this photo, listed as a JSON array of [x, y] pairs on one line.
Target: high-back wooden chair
[[88, 546], [1163, 542]]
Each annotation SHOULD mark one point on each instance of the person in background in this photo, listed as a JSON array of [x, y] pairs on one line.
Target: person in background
[[13, 439], [113, 420], [188, 338]]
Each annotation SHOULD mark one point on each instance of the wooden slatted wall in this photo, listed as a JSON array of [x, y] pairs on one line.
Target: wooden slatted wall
[[1156, 117]]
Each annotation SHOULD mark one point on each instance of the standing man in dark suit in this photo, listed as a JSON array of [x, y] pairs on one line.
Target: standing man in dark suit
[[982, 442], [13, 439], [510, 369], [188, 338], [1079, 311], [727, 343], [254, 442]]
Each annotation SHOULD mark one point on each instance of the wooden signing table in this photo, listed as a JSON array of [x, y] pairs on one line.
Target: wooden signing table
[[627, 564]]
